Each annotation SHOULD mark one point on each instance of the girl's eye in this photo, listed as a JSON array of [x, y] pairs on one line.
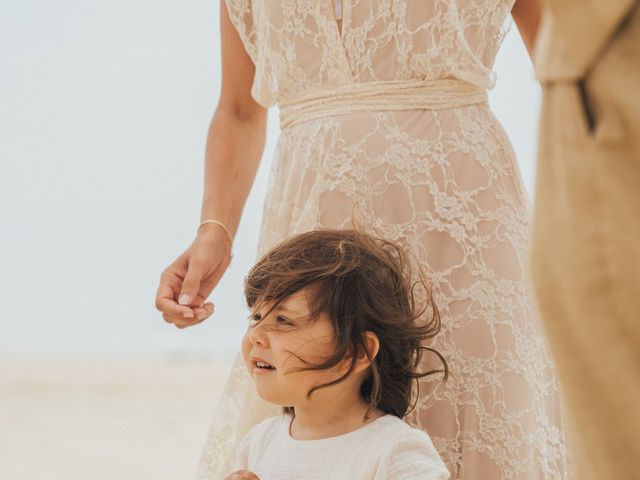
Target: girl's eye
[[254, 318], [283, 321]]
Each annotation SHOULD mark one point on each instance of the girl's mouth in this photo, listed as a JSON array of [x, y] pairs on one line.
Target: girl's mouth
[[263, 366]]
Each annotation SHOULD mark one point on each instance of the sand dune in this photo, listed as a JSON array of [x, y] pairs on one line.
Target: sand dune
[[105, 420]]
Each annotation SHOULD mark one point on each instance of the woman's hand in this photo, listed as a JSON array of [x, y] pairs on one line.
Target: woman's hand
[[242, 475], [189, 280], [235, 144]]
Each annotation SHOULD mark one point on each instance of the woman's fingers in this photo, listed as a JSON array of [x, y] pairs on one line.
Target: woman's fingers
[[171, 281], [165, 300], [188, 281], [184, 323], [197, 314], [200, 314], [201, 278], [200, 310], [205, 311], [191, 285], [209, 283]]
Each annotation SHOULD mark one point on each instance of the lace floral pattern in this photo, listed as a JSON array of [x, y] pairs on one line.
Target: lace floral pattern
[[444, 184], [296, 44]]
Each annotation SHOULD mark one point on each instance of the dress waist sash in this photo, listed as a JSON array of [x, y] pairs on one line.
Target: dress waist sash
[[385, 95]]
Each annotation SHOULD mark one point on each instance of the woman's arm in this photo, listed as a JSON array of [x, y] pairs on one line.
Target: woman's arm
[[236, 138], [235, 144], [527, 15]]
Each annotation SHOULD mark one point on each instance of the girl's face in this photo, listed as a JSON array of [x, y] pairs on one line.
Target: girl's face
[[285, 340]]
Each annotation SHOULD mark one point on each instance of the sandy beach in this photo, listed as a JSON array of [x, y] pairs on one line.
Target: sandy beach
[[105, 420]]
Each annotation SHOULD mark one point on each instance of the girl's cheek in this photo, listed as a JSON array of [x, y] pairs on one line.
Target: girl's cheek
[[246, 347], [321, 347]]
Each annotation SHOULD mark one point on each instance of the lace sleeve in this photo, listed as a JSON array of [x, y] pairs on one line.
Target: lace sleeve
[[241, 15]]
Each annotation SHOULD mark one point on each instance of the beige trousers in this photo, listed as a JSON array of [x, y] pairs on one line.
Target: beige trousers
[[586, 252]]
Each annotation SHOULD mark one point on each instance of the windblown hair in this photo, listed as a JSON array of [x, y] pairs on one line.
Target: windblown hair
[[361, 283]]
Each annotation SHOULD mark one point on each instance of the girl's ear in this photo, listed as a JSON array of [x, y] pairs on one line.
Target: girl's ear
[[373, 345]]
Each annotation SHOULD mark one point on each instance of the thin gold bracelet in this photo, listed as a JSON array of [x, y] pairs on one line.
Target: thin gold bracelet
[[220, 224]]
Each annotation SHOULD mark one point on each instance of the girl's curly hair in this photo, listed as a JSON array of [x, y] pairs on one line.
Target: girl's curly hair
[[362, 283]]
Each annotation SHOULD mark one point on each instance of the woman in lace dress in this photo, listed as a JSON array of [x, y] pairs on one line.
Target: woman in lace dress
[[385, 121]]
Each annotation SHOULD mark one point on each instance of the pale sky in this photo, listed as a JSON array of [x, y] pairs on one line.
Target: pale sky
[[104, 109]]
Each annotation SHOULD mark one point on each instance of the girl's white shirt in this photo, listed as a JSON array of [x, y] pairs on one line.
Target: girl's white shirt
[[384, 449]]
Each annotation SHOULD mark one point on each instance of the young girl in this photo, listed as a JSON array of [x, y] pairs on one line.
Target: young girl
[[335, 337]]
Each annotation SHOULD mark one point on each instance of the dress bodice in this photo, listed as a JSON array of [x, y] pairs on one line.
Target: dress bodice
[[298, 47]]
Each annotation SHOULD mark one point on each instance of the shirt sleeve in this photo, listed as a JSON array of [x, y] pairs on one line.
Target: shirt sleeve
[[253, 443], [412, 458]]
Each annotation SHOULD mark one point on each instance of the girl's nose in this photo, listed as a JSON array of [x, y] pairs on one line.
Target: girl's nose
[[256, 335]]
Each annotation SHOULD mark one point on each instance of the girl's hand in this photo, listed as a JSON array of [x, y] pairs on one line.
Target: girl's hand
[[189, 280], [242, 475]]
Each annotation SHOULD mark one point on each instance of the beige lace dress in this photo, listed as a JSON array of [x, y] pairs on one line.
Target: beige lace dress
[[385, 119]]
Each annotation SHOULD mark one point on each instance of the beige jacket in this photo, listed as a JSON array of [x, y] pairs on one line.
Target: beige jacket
[[566, 49]]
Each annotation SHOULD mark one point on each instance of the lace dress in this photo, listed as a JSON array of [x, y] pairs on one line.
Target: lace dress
[[385, 120]]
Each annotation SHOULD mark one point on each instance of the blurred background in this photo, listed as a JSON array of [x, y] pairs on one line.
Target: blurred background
[[104, 110]]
